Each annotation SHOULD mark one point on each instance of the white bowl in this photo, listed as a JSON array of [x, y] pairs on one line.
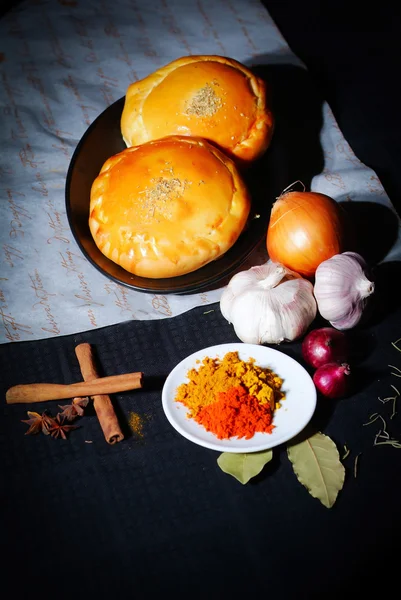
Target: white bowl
[[294, 414]]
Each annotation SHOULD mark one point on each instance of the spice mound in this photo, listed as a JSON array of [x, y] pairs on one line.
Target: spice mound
[[231, 397]]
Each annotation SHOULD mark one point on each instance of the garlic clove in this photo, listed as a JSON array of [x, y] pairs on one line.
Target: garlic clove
[[293, 309], [263, 276], [246, 322], [226, 303]]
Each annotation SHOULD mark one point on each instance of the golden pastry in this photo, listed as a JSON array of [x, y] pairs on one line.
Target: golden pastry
[[213, 97], [168, 207]]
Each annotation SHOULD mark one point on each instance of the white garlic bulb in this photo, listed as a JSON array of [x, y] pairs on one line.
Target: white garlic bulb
[[342, 289], [268, 304]]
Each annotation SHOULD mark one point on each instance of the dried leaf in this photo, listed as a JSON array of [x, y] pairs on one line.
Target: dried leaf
[[37, 423], [317, 465], [244, 466]]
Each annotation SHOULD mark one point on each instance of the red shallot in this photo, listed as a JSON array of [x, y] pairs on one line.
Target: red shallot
[[324, 345], [333, 379]]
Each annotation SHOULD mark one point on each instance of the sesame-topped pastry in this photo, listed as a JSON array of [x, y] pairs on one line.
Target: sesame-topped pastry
[[168, 207], [213, 97]]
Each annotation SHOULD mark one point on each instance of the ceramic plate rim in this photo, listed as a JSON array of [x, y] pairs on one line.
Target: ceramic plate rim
[[210, 275], [188, 428]]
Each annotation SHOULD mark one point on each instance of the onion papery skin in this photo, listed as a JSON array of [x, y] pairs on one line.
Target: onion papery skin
[[305, 228]]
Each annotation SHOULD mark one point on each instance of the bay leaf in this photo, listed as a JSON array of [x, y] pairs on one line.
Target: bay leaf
[[317, 465], [244, 466]]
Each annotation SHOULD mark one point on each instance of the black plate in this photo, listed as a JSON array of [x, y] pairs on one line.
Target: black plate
[[102, 140]]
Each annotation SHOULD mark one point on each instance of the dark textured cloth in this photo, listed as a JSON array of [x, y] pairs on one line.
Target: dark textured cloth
[[352, 51], [156, 514]]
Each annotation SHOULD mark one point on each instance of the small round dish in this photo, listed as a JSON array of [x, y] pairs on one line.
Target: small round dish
[[101, 141], [294, 414]]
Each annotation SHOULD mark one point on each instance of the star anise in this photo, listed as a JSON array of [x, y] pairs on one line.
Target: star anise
[[37, 423], [75, 409], [57, 429]]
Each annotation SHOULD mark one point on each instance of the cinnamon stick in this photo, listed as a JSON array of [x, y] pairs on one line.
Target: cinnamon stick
[[43, 392], [101, 402]]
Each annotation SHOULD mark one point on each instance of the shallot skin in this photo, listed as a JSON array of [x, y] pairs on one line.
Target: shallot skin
[[324, 345], [333, 379]]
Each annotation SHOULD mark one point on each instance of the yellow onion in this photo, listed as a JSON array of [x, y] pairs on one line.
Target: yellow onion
[[305, 228]]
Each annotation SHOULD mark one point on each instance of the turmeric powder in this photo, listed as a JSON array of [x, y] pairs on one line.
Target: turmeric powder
[[215, 375]]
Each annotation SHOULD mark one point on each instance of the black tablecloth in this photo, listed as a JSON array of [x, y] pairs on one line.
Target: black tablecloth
[[156, 514]]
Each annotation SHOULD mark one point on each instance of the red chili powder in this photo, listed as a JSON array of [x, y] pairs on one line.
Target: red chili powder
[[235, 414]]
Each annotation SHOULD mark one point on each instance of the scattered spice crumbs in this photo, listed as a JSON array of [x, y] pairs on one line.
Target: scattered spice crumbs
[[356, 464], [205, 103], [163, 190], [346, 452], [136, 423], [382, 437]]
